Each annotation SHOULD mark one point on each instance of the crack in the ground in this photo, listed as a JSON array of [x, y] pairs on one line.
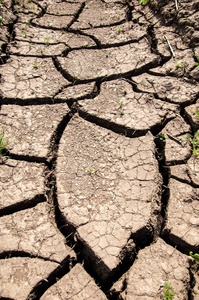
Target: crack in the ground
[[23, 205], [17, 253], [43, 285]]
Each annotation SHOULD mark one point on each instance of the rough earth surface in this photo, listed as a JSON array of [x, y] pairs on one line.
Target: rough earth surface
[[99, 149]]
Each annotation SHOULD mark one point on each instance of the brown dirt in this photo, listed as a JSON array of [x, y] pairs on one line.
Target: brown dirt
[[99, 183]]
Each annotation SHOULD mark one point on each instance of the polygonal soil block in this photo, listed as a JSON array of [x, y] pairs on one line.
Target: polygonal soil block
[[118, 104], [33, 40], [105, 14], [182, 216], [58, 15], [192, 111], [156, 265], [30, 78], [76, 285], [19, 181], [33, 231], [177, 148], [28, 129], [126, 32], [18, 275], [108, 186], [175, 90], [88, 64]]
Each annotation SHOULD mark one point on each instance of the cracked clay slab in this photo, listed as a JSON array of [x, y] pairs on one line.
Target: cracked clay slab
[[157, 264], [34, 232], [28, 129], [183, 215], [18, 275], [76, 285], [119, 104], [175, 90], [30, 78], [85, 64], [108, 186], [19, 181]]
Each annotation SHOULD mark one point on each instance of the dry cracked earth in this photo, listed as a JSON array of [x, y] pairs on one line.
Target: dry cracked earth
[[99, 178]]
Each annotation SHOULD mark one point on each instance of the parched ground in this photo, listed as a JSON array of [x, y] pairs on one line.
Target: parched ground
[[99, 172]]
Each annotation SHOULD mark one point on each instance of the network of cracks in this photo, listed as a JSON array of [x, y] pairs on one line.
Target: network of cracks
[[99, 170]]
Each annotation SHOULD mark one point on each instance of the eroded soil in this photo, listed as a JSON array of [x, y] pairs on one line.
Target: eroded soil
[[99, 178]]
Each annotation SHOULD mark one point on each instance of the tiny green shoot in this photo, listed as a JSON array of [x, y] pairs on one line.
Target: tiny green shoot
[[144, 1], [197, 113], [177, 63], [162, 137], [25, 32], [168, 292], [119, 29], [3, 144], [91, 171], [194, 256], [46, 40], [36, 65], [32, 92]]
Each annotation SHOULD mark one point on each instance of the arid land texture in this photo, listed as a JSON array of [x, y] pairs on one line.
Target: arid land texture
[[99, 166]]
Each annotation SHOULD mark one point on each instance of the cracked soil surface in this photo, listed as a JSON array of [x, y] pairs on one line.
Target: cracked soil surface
[[99, 178]]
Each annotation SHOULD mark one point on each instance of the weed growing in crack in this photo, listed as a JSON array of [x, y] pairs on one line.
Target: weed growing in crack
[[3, 144], [194, 142], [162, 137], [197, 58], [32, 92], [74, 81], [144, 1], [197, 113], [168, 292], [194, 256]]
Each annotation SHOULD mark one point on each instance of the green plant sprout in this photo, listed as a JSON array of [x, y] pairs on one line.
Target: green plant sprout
[[1, 19], [144, 1], [194, 142], [74, 81], [91, 171], [194, 256], [46, 40], [3, 144], [119, 29], [32, 92], [36, 65], [25, 32], [162, 137], [197, 112], [197, 58], [177, 63], [120, 102], [168, 292]]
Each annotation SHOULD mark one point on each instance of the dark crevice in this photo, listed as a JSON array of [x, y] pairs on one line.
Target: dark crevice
[[17, 253], [28, 158], [23, 205], [193, 270], [179, 243], [122, 129], [76, 15], [165, 173], [41, 287]]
